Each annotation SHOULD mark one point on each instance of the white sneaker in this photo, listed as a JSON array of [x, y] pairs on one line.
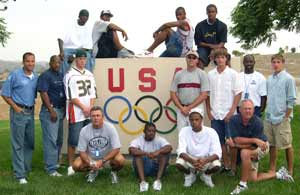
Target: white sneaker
[[283, 174], [144, 186], [23, 181], [114, 177], [145, 54], [207, 180], [238, 189], [70, 171], [157, 185], [91, 177], [189, 179], [55, 174]]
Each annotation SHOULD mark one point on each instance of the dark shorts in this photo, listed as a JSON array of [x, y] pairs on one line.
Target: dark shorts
[[74, 132], [106, 47], [151, 167], [221, 128], [203, 55], [174, 46]]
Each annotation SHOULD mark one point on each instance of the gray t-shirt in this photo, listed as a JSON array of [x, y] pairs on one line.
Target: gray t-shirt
[[189, 84], [98, 142], [149, 146]]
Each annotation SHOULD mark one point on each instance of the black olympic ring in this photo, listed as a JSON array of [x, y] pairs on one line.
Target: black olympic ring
[[151, 97]]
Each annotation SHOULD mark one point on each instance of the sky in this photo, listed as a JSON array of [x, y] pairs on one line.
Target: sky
[[36, 24]]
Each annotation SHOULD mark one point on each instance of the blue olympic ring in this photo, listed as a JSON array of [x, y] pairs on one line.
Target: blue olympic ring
[[117, 97]]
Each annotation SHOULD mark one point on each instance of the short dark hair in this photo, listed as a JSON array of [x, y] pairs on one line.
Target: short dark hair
[[148, 125], [27, 54], [94, 108], [178, 9], [210, 6], [52, 58]]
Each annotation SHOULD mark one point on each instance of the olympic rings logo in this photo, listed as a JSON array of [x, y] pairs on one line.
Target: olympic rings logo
[[136, 110]]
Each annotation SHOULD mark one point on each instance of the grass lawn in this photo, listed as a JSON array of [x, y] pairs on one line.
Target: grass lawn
[[41, 183]]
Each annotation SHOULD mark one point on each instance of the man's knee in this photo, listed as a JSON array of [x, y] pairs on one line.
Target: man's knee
[[118, 161], [245, 154], [77, 164]]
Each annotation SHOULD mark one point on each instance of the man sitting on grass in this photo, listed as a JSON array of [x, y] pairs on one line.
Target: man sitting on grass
[[99, 144], [247, 134], [150, 156], [199, 150]]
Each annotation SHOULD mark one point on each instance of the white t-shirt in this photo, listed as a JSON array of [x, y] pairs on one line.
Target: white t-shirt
[[224, 87], [149, 146], [199, 144], [99, 28], [254, 85], [81, 85], [187, 37], [78, 36]]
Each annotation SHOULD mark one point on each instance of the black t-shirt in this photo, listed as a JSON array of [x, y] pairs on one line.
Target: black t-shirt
[[213, 34], [254, 129]]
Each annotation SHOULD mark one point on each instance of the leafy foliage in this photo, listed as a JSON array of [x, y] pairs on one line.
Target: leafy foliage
[[4, 34], [255, 21]]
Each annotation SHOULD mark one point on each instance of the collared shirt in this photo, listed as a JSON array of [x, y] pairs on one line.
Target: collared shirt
[[189, 84], [281, 90], [254, 86], [52, 83], [199, 144], [224, 87], [21, 87], [254, 128]]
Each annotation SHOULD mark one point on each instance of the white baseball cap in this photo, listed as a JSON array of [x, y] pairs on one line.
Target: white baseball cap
[[197, 110]]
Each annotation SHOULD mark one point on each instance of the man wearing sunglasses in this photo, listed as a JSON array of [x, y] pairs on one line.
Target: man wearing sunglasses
[[189, 89]]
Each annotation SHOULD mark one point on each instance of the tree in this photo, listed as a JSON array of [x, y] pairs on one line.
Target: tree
[[293, 50], [255, 21], [4, 34], [281, 51], [237, 53]]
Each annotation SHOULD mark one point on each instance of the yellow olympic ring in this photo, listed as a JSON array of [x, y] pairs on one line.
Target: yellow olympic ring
[[140, 130]]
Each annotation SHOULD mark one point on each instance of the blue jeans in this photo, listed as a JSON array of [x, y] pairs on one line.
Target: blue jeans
[[52, 137], [203, 55], [222, 129], [151, 166], [74, 132], [65, 66], [22, 140], [174, 46]]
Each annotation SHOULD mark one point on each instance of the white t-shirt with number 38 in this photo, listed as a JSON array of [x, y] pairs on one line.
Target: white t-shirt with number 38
[[81, 85]]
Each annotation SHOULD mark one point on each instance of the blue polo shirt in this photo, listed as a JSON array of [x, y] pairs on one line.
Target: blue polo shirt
[[52, 83], [254, 128], [20, 87]]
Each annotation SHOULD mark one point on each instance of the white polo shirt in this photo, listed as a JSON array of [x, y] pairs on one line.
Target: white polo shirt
[[224, 87], [255, 85], [199, 144]]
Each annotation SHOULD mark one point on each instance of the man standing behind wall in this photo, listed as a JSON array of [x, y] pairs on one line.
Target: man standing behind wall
[[19, 91], [189, 89], [224, 96], [210, 34], [51, 88], [80, 91], [281, 92], [254, 84], [79, 36]]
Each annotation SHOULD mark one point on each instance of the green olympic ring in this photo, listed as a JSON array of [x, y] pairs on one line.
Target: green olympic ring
[[167, 108]]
